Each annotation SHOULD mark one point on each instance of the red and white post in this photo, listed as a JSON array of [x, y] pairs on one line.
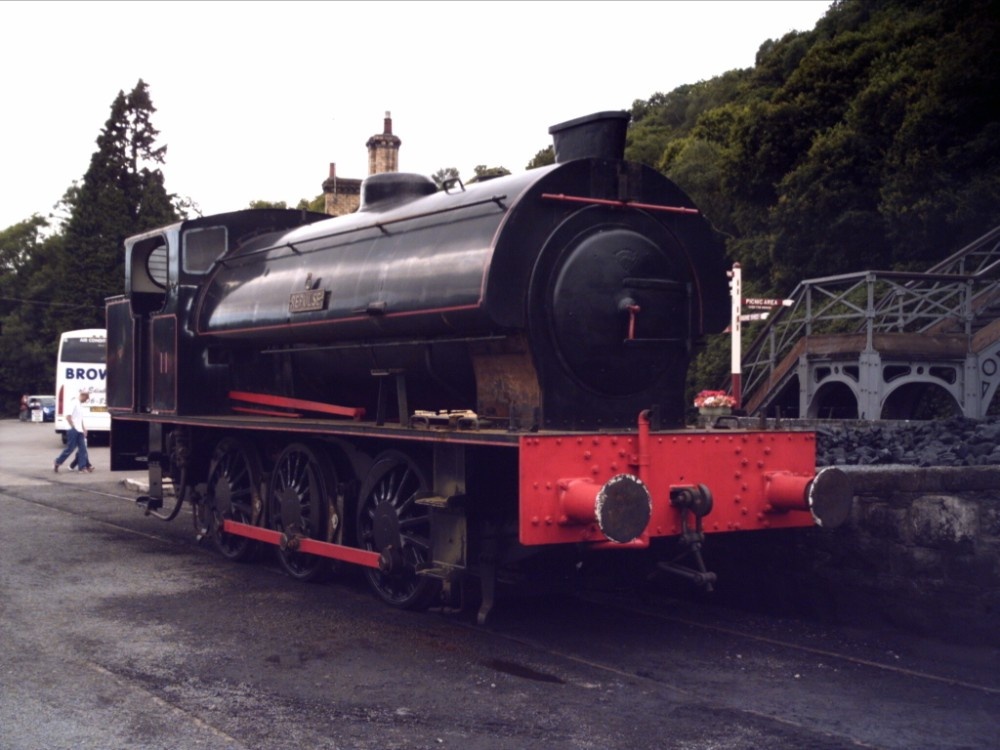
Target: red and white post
[[736, 354]]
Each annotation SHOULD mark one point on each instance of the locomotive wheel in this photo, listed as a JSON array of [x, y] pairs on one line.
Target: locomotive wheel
[[392, 523], [302, 484], [233, 493]]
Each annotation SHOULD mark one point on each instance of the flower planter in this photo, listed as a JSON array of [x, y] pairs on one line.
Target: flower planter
[[715, 411], [708, 414]]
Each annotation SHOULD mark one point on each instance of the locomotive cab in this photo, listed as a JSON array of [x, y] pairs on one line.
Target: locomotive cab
[[164, 269]]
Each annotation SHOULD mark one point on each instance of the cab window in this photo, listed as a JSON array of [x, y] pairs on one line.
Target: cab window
[[202, 247]]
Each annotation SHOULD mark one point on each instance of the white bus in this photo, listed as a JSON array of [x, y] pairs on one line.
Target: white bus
[[82, 364]]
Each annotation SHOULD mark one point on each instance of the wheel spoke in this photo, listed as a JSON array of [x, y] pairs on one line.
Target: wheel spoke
[[398, 496], [407, 506], [412, 522], [416, 541]]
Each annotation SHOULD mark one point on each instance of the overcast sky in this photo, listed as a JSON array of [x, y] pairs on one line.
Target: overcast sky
[[254, 100]]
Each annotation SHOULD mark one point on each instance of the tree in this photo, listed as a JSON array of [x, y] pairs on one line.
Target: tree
[[868, 142], [27, 290], [443, 175], [484, 173], [543, 158], [317, 204], [122, 193], [17, 246]]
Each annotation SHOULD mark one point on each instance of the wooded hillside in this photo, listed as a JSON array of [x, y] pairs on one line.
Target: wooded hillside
[[870, 142]]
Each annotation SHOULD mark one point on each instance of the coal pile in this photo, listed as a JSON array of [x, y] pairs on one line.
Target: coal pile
[[949, 442]]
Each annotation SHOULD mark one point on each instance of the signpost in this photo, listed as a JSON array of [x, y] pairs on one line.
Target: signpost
[[738, 317], [735, 354], [755, 303]]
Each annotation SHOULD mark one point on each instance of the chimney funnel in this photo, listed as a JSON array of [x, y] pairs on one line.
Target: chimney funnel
[[599, 136]]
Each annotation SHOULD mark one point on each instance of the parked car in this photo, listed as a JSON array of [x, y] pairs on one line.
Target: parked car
[[44, 404]]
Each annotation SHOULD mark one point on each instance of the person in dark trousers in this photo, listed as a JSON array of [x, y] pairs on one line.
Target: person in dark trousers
[[22, 411], [76, 437]]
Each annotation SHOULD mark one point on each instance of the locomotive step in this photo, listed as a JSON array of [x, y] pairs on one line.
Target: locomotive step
[[442, 503]]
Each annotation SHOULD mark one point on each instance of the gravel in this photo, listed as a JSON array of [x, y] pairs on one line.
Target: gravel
[[950, 442]]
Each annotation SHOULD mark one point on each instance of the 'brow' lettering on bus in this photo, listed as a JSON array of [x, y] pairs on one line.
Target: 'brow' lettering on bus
[[90, 373]]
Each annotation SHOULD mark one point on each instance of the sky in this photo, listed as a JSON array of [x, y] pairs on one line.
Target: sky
[[254, 100]]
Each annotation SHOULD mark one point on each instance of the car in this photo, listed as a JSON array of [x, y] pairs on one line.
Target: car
[[46, 405]]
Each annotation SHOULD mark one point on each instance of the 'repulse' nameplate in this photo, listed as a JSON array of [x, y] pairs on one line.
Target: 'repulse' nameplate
[[310, 301]]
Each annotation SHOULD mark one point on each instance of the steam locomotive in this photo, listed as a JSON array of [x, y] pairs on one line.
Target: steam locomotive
[[447, 382]]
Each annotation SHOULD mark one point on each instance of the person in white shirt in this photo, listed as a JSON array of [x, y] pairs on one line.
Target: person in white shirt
[[76, 437]]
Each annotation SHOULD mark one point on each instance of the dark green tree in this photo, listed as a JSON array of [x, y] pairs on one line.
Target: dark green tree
[[869, 142], [18, 245], [27, 291], [543, 158], [122, 193]]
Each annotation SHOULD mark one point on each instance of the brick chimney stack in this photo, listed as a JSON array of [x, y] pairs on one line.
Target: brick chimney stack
[[342, 195], [383, 149]]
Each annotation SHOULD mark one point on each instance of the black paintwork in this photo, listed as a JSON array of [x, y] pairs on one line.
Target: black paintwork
[[499, 296]]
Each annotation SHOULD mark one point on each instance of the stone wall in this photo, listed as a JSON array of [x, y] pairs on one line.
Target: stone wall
[[345, 200], [921, 552]]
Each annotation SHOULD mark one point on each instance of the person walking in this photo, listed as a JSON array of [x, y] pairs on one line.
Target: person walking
[[22, 412], [76, 437]]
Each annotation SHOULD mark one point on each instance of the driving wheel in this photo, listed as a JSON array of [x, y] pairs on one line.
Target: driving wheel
[[392, 523], [233, 493], [299, 497]]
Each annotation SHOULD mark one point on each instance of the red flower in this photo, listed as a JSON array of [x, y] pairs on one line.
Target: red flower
[[714, 399]]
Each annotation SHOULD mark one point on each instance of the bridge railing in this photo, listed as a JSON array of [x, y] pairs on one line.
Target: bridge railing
[[979, 260], [871, 302]]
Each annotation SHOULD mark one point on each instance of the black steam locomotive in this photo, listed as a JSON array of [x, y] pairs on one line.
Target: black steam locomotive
[[447, 380]]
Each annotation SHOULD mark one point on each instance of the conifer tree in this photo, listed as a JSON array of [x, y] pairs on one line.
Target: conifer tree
[[122, 193]]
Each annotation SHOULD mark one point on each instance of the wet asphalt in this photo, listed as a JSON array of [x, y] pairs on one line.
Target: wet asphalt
[[120, 631]]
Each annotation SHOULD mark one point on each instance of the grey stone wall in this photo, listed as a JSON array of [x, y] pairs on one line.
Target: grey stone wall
[[921, 552]]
